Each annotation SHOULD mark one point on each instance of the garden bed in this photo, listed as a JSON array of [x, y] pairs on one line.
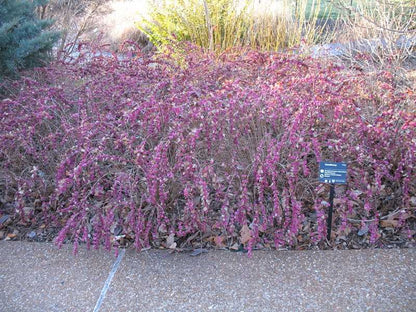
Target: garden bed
[[218, 151]]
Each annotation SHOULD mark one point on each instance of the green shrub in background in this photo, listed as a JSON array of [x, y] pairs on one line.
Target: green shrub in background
[[209, 24], [222, 24], [25, 41]]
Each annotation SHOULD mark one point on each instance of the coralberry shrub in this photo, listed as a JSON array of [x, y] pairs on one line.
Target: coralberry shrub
[[220, 149]]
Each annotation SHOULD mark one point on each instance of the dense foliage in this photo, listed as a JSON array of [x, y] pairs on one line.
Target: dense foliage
[[218, 25], [221, 149], [25, 41]]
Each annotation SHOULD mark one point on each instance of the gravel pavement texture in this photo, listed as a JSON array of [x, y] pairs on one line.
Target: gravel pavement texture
[[39, 277]]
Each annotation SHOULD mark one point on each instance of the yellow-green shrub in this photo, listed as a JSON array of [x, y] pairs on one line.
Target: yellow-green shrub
[[221, 24]]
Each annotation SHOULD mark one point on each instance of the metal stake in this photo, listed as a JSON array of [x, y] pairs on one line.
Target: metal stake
[[331, 207]]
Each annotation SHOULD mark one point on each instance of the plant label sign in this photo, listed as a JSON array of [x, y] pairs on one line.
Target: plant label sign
[[333, 172]]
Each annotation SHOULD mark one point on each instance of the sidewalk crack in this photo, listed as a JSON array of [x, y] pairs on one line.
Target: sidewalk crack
[[109, 279]]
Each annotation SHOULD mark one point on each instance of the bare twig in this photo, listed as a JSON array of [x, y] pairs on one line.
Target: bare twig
[[352, 9]]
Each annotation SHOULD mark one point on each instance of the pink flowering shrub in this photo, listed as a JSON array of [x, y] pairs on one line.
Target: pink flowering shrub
[[144, 149]]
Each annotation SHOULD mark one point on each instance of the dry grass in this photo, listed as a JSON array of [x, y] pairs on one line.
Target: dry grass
[[221, 24]]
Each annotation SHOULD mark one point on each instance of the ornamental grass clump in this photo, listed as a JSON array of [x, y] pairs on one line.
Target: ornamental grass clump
[[221, 150], [219, 25]]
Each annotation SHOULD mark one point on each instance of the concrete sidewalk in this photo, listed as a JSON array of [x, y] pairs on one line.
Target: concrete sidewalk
[[39, 277]]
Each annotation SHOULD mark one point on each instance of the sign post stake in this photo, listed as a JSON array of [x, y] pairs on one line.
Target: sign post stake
[[331, 208], [332, 173]]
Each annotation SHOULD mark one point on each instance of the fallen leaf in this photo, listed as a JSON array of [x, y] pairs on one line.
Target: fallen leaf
[[162, 228], [170, 241], [219, 241], [11, 235], [363, 230], [118, 230], [389, 223], [235, 247], [113, 227], [357, 192], [325, 203], [245, 234], [119, 237], [173, 246], [31, 234], [238, 248], [198, 251]]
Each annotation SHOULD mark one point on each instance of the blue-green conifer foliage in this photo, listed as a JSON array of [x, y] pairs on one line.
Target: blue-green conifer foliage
[[25, 40]]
